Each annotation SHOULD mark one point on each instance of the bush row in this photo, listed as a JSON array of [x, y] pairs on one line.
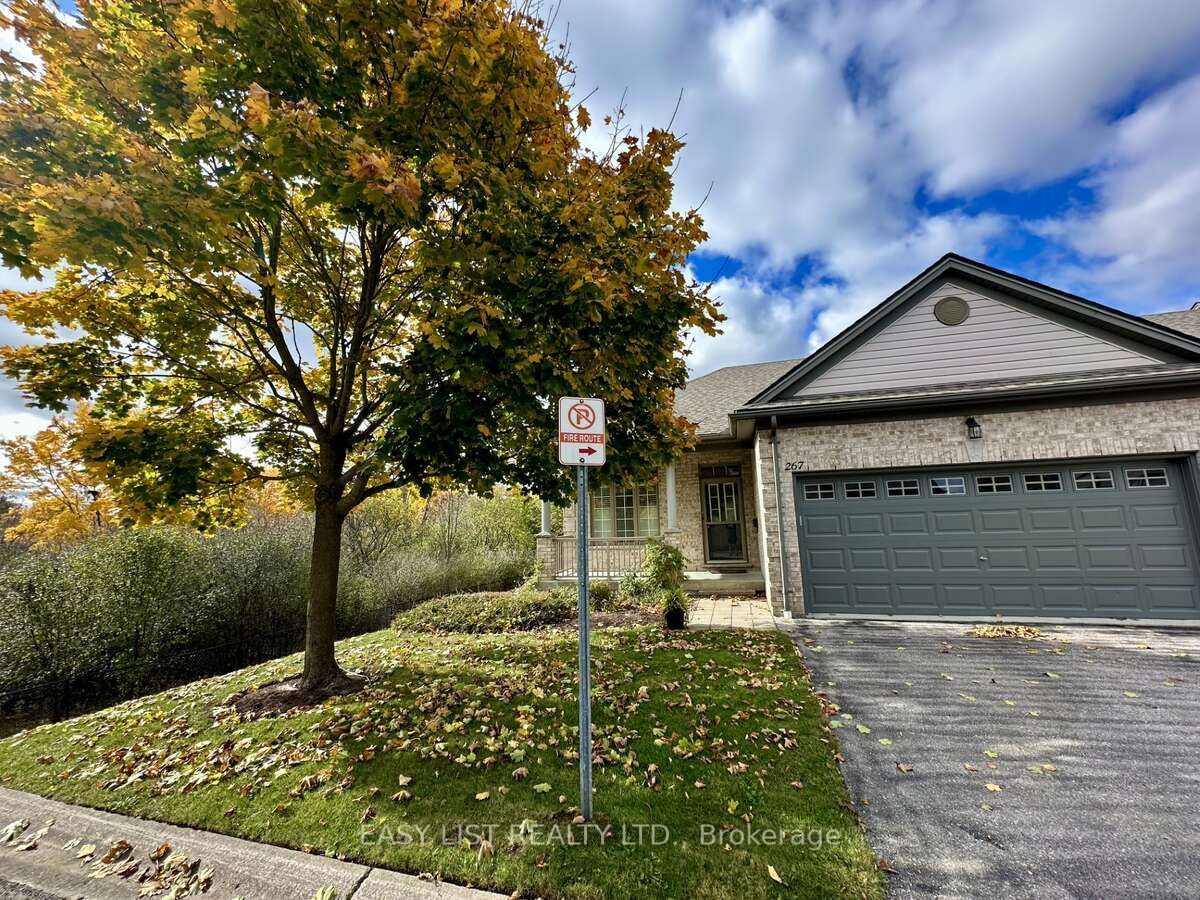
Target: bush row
[[123, 614]]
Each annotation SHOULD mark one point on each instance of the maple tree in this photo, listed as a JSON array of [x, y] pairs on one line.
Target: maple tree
[[363, 237]]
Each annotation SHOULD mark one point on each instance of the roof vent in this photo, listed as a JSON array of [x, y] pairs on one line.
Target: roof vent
[[951, 310]]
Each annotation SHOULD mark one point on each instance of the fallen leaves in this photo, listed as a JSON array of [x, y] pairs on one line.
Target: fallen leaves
[[993, 787], [904, 768]]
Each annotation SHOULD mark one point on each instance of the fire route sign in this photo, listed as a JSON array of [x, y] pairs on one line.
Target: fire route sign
[[581, 435]]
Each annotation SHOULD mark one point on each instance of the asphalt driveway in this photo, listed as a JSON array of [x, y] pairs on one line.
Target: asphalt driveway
[[1113, 712]]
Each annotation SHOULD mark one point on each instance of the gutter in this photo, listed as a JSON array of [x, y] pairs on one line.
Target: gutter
[[783, 569], [1024, 392]]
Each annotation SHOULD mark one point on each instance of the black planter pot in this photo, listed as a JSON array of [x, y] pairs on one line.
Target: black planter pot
[[676, 617]]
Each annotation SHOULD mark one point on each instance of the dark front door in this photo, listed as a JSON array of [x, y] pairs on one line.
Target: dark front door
[[724, 539]]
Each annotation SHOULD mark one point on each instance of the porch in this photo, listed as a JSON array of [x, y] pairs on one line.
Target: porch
[[611, 559]]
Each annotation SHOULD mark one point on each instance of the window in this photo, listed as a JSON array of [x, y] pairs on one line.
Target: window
[[818, 491], [994, 484], [728, 470], [859, 490], [904, 487], [1099, 480], [1042, 481], [948, 486], [1144, 478], [624, 512]]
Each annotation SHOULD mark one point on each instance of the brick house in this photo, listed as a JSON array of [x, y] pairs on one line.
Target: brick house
[[976, 444]]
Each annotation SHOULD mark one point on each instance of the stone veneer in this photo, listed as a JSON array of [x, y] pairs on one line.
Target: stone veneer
[[1169, 426]]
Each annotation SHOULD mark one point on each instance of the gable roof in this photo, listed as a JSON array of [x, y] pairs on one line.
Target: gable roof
[[1154, 336], [708, 400], [712, 400]]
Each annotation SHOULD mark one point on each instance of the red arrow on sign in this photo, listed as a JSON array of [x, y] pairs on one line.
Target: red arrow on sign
[[588, 450]]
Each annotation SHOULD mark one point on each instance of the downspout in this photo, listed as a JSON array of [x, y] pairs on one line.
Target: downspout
[[783, 569]]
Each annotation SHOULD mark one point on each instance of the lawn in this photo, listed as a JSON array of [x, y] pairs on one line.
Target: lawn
[[715, 773]]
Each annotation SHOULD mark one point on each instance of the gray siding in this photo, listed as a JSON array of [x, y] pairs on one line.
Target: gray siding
[[997, 341]]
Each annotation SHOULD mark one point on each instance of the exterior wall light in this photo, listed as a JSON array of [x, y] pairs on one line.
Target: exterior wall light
[[974, 429]]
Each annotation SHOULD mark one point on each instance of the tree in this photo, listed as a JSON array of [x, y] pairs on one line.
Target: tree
[[63, 500], [362, 236]]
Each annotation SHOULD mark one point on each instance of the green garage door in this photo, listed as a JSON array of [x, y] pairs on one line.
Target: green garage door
[[1111, 539]]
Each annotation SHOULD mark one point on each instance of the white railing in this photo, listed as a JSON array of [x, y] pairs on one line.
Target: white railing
[[608, 558]]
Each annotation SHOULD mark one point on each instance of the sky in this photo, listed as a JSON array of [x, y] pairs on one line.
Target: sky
[[843, 146]]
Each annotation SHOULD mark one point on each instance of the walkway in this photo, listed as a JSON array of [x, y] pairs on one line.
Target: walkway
[[731, 612]]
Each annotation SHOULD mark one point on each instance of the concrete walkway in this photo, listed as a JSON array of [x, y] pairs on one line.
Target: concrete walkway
[[731, 612], [238, 868]]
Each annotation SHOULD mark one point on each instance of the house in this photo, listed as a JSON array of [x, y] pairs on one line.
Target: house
[[976, 444]]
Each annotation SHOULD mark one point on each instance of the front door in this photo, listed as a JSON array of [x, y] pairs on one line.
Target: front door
[[723, 531]]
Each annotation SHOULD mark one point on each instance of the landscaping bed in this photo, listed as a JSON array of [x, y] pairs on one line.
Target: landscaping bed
[[714, 770]]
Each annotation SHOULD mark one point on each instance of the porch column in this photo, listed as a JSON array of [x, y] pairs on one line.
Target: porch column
[[546, 520], [672, 506]]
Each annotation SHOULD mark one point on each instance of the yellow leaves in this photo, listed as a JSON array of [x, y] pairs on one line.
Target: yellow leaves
[[223, 14], [442, 166], [258, 107], [484, 430], [192, 81], [583, 118]]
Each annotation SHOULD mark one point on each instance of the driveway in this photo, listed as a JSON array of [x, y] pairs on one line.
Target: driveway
[[1114, 712]]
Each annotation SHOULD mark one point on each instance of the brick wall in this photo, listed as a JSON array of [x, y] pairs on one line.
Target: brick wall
[[1113, 429]]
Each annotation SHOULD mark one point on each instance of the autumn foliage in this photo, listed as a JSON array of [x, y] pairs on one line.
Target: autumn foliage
[[363, 238]]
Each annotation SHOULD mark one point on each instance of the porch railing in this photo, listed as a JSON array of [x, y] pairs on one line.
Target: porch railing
[[608, 558]]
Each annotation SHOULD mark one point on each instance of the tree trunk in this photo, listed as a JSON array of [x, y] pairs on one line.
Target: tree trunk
[[321, 671]]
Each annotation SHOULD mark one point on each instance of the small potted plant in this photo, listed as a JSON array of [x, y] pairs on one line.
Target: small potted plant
[[675, 608]]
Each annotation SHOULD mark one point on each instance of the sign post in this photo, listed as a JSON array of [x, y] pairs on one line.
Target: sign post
[[582, 443]]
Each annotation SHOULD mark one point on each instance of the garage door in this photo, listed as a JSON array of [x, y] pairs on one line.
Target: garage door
[[1111, 539]]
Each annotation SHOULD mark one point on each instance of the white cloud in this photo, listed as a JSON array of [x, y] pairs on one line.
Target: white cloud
[[1140, 244]]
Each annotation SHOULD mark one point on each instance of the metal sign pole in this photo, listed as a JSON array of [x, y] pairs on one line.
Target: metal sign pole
[[585, 686]]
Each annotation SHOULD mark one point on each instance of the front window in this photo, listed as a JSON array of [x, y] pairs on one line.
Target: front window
[[624, 512]]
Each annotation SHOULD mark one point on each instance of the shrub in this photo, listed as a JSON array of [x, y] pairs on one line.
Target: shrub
[[663, 565], [519, 610], [602, 594]]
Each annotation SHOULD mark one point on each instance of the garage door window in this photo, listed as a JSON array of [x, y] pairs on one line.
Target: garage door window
[[994, 484], [1144, 478], [904, 487], [950, 486], [860, 490], [818, 491], [1100, 480], [1042, 481]]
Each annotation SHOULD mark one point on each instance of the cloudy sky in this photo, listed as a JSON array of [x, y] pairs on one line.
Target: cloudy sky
[[849, 144]]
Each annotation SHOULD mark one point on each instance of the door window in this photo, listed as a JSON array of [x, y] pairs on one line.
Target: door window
[[904, 487], [994, 484], [1144, 478], [1098, 480], [948, 486], [859, 490], [822, 491], [1042, 481]]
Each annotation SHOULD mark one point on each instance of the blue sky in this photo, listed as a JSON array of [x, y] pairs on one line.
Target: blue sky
[[850, 144]]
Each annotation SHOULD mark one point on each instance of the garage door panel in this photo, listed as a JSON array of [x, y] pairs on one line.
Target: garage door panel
[[1054, 519], [1101, 518], [960, 522], [1108, 557], [917, 599], [1179, 597], [868, 559], [1157, 515], [1013, 598], [908, 523], [958, 558], [1057, 559], [872, 597], [1064, 599], [913, 559], [821, 561], [1113, 552], [864, 524], [1001, 521]]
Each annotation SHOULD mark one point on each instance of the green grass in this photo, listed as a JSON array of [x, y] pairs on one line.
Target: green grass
[[692, 729]]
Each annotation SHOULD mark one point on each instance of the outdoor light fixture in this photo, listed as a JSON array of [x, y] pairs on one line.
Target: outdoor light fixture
[[974, 429]]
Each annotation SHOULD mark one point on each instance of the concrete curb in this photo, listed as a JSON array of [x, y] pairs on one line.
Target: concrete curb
[[240, 868]]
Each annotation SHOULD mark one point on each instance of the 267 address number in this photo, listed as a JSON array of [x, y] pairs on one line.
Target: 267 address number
[[794, 465]]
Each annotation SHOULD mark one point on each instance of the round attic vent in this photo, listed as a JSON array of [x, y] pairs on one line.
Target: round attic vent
[[951, 310]]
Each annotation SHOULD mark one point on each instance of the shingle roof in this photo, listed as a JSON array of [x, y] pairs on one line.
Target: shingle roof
[[1185, 320], [709, 399]]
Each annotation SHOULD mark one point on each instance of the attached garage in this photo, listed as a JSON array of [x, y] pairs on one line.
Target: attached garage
[[1101, 539]]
